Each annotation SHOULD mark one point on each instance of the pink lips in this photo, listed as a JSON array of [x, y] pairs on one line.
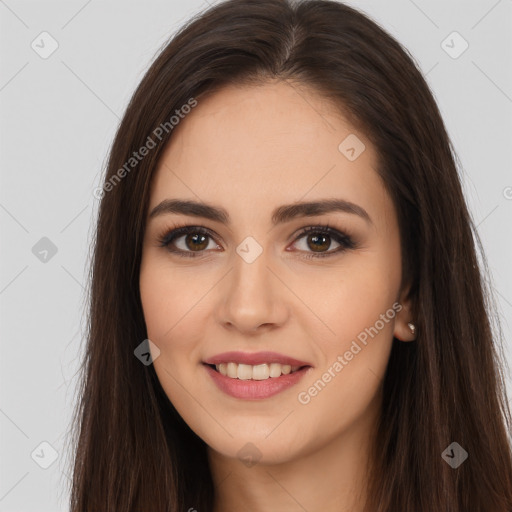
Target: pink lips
[[255, 389]]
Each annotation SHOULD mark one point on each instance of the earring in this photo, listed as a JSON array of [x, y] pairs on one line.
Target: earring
[[412, 327]]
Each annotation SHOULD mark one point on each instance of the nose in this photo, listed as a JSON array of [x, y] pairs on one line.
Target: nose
[[253, 298]]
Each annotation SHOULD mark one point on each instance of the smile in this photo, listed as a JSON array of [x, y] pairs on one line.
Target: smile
[[254, 372]]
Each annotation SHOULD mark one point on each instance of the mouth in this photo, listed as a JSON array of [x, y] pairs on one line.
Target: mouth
[[255, 375], [262, 371], [255, 382]]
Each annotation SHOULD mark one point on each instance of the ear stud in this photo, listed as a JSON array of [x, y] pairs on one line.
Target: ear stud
[[412, 327]]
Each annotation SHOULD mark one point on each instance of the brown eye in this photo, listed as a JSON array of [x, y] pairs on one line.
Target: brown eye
[[317, 241], [188, 241], [196, 241]]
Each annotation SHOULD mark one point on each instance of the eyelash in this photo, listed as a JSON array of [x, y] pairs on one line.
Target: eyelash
[[345, 241]]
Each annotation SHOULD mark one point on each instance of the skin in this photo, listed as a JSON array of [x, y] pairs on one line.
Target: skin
[[249, 150]]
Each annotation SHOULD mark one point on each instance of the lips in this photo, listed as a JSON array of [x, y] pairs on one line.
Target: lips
[[255, 389], [254, 376], [254, 359]]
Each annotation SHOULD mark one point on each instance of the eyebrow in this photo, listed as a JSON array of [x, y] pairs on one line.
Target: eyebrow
[[280, 215]]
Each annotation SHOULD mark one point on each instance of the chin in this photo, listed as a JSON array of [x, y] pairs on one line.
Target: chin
[[256, 451]]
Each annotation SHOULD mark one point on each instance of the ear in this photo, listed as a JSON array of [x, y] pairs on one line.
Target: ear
[[402, 330]]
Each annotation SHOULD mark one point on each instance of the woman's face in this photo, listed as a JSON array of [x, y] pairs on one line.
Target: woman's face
[[250, 281]]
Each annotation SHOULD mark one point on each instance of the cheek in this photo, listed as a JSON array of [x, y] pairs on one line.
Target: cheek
[[171, 301], [172, 312], [177, 310], [358, 306], [346, 401], [343, 394], [350, 297]]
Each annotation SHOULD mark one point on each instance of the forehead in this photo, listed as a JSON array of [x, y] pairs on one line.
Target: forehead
[[265, 145]]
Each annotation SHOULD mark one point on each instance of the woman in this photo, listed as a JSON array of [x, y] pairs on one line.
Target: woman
[[287, 311]]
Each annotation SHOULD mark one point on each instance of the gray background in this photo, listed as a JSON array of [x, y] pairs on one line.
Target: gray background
[[58, 118]]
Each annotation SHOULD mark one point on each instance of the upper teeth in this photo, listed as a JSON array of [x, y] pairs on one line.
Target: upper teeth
[[257, 372]]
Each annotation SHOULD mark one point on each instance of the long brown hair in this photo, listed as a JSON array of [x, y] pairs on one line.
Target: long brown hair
[[132, 451]]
